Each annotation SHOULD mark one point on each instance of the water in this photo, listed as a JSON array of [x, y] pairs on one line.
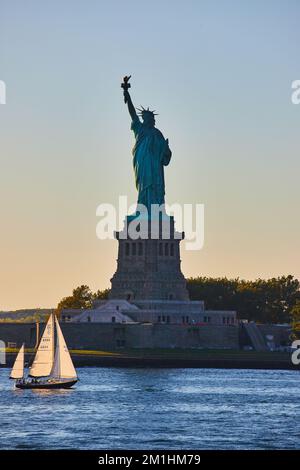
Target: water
[[156, 409]]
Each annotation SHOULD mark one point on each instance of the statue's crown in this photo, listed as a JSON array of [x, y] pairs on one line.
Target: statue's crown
[[144, 112]]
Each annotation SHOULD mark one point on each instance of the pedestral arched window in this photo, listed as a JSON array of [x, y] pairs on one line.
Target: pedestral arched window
[[129, 296]]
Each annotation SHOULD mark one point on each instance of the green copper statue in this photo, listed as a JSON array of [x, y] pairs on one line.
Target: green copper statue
[[150, 154]]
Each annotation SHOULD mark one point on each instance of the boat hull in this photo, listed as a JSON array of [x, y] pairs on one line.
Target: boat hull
[[45, 385]]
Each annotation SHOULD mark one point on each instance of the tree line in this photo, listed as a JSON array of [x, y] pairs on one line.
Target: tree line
[[263, 300], [275, 300]]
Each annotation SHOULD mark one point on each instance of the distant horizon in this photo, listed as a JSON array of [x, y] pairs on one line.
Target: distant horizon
[[102, 289]]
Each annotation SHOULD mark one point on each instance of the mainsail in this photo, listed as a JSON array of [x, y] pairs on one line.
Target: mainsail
[[17, 371], [63, 366], [43, 360]]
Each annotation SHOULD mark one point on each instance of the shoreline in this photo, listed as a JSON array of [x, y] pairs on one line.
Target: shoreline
[[214, 359]]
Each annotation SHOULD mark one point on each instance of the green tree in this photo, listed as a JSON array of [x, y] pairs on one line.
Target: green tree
[[101, 294], [295, 315], [81, 297]]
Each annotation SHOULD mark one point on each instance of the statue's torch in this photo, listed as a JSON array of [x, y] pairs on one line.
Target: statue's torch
[[125, 85]]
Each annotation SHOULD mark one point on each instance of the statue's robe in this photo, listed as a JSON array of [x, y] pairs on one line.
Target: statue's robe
[[150, 154]]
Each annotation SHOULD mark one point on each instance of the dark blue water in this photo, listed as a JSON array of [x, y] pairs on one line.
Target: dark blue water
[[156, 409]]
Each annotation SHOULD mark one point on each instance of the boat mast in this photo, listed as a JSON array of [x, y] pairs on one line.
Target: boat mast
[[53, 338], [63, 365], [43, 360]]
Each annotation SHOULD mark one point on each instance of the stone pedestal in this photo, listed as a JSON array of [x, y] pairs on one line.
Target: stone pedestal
[[149, 269]]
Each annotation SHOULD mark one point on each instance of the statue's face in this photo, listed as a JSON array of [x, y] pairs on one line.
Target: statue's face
[[149, 120]]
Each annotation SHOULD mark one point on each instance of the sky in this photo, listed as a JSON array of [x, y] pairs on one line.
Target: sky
[[219, 74]]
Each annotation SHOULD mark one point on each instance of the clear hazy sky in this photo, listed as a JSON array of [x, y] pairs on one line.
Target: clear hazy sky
[[218, 72]]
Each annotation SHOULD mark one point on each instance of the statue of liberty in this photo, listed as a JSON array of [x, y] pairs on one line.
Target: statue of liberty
[[151, 153]]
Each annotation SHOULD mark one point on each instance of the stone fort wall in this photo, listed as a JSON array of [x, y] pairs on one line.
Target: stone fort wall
[[109, 336]]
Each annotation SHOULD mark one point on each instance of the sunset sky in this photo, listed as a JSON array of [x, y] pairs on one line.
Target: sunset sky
[[219, 74]]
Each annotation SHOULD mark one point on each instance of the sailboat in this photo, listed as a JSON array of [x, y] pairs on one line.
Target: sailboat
[[52, 367]]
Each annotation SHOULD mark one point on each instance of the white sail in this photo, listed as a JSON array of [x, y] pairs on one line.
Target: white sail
[[63, 366], [17, 371], [43, 360]]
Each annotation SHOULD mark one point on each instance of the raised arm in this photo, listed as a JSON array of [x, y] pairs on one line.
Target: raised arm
[[127, 98], [131, 108]]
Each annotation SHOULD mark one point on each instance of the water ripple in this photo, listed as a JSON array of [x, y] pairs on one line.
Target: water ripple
[[156, 409]]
